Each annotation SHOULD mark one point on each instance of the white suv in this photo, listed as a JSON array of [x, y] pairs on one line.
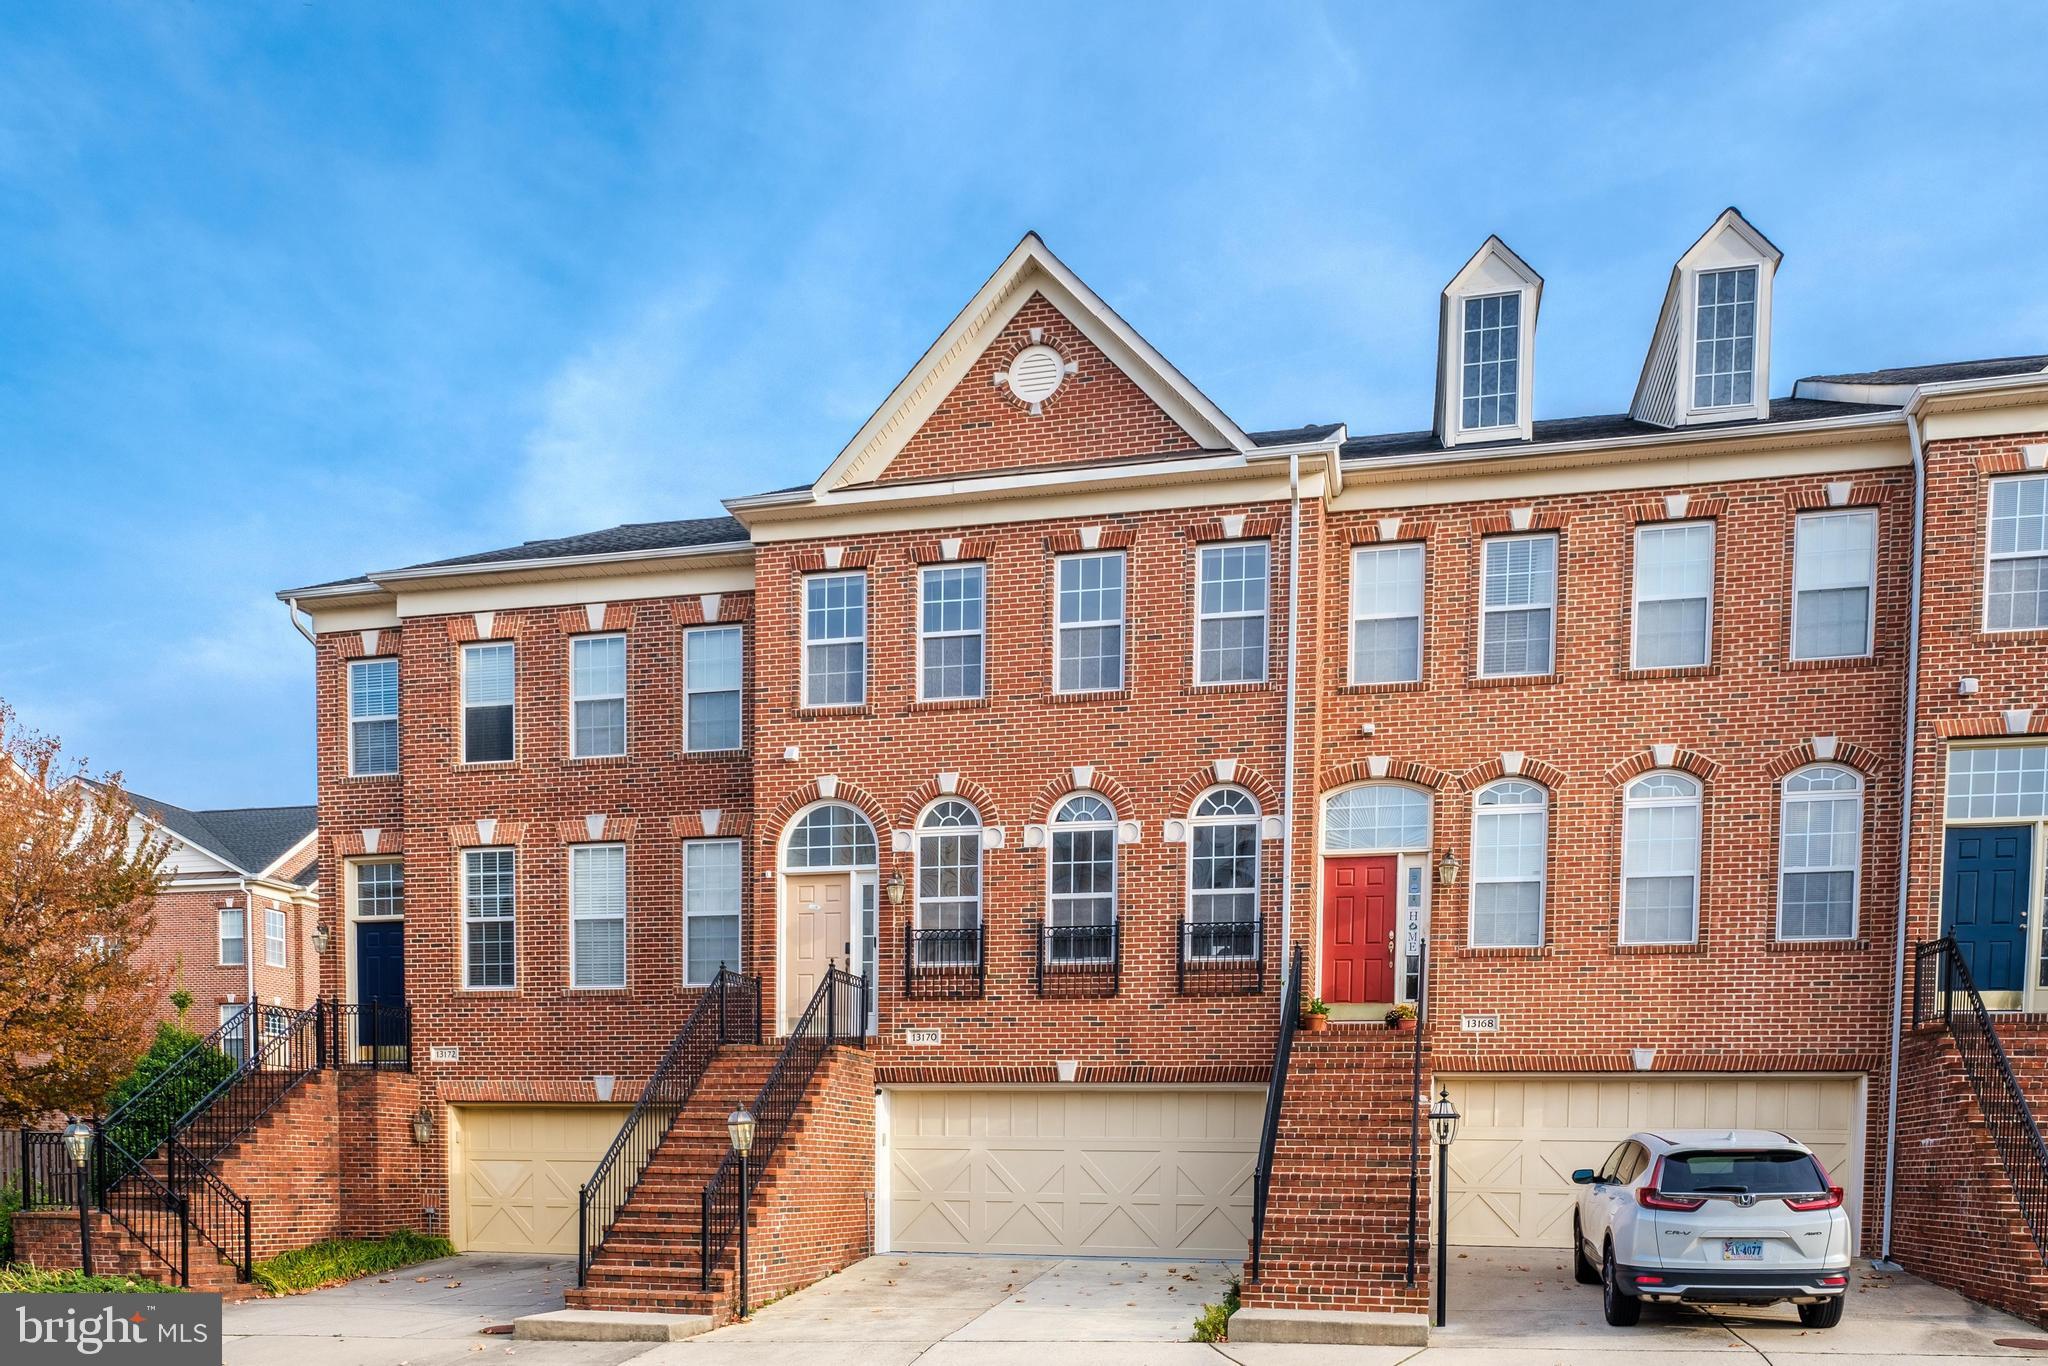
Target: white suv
[[1722, 1216]]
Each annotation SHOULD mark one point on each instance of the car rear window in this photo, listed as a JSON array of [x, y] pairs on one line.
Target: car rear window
[[1741, 1173]]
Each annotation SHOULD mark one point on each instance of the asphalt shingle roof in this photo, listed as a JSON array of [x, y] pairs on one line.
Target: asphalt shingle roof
[[1605, 428], [694, 531], [250, 837], [1935, 374]]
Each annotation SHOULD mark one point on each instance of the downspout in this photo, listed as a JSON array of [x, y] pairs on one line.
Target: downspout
[[292, 606], [1891, 1109], [250, 1033], [1287, 763]]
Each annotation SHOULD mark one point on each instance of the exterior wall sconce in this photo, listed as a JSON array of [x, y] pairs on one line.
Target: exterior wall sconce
[[896, 888], [1448, 868], [423, 1126], [321, 939]]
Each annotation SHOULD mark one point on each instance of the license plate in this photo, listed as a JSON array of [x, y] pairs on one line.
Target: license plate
[[1742, 1250]]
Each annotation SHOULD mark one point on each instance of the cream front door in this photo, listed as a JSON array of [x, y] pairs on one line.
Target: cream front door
[[821, 923], [1521, 1137]]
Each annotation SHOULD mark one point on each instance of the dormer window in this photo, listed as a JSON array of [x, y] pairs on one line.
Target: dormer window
[[1486, 331], [1492, 370], [1724, 339]]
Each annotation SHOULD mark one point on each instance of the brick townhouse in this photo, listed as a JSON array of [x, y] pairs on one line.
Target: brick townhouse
[[1064, 713]]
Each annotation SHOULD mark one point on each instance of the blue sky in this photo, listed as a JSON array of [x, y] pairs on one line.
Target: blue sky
[[292, 291]]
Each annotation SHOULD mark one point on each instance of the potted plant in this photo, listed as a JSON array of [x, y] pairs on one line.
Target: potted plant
[[1401, 1019], [1316, 1015]]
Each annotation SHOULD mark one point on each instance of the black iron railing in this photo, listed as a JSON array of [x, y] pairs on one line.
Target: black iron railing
[[729, 1011], [1416, 1106], [1219, 956], [1079, 959], [289, 1047], [154, 1213], [1940, 970], [837, 1014], [214, 1211], [944, 963], [369, 1036], [1276, 1090]]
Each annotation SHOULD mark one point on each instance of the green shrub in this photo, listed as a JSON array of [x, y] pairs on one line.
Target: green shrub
[[10, 1201], [27, 1280], [344, 1259], [1213, 1323], [139, 1134]]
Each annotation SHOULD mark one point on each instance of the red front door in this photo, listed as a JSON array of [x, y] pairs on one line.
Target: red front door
[[1358, 928]]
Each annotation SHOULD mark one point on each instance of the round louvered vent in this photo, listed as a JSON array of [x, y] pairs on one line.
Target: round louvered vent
[[1035, 373]]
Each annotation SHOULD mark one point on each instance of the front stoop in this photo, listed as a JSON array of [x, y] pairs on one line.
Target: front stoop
[[1328, 1327], [609, 1325]]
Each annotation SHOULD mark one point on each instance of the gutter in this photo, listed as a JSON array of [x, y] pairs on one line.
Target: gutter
[[292, 606], [1287, 762]]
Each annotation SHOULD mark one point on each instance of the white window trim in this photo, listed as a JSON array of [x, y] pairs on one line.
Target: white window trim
[[806, 641], [1520, 296], [351, 892], [462, 698], [1758, 381], [578, 915], [738, 912], [282, 938], [1636, 598], [353, 770], [1542, 878], [1991, 557], [1121, 622], [1055, 827], [923, 831], [1698, 801], [625, 707], [1256, 821], [222, 939], [1264, 615], [462, 891], [739, 690], [1556, 572], [1854, 868], [1870, 583], [924, 636], [1359, 555]]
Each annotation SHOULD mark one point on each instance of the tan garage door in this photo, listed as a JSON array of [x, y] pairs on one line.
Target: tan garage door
[[1111, 1172], [513, 1172], [1521, 1137]]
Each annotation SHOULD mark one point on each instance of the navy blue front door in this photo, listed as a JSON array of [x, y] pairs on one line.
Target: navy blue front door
[[380, 962], [1984, 897]]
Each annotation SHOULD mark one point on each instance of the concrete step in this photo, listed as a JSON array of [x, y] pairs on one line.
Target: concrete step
[[609, 1325]]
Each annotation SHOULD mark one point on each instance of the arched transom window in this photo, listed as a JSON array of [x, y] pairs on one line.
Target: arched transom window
[[1223, 875], [831, 836], [1376, 816], [1820, 853], [1510, 848], [1081, 873], [1660, 860]]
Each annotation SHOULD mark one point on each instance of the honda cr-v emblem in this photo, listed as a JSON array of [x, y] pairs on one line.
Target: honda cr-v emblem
[[1745, 1201]]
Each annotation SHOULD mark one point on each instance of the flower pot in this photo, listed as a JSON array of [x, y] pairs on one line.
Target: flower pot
[[1315, 1024], [1401, 1026]]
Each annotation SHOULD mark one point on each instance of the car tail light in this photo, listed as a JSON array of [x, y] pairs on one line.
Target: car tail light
[[1649, 1280], [1832, 1200], [1649, 1197], [1834, 1280]]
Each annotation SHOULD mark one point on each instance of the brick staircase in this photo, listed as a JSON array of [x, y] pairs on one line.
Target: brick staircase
[[1337, 1217], [48, 1238], [650, 1259]]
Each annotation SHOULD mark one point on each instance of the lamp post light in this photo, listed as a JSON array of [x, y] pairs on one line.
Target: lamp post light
[[739, 1127], [1443, 1127], [78, 1145]]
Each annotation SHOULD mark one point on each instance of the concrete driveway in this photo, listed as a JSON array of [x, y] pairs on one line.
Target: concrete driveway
[[1508, 1308]]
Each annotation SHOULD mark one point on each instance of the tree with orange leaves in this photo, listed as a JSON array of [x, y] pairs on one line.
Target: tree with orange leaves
[[77, 898]]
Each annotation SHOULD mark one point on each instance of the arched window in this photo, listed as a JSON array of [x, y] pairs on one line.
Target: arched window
[[1081, 896], [1223, 875], [831, 836], [1660, 860], [949, 882], [1510, 851], [1820, 853], [1375, 816]]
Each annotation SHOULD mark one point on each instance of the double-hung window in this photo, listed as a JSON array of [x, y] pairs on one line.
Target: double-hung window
[[711, 909], [487, 677], [1674, 596], [235, 1042], [597, 696], [273, 937], [1820, 853], [372, 717], [1230, 613], [234, 943], [711, 688], [1518, 606], [1082, 877], [835, 640], [1834, 576], [487, 918], [949, 883], [1089, 644], [1724, 339], [597, 915], [1386, 614], [2016, 572], [1510, 848], [1660, 860], [1223, 875], [952, 618], [1493, 334]]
